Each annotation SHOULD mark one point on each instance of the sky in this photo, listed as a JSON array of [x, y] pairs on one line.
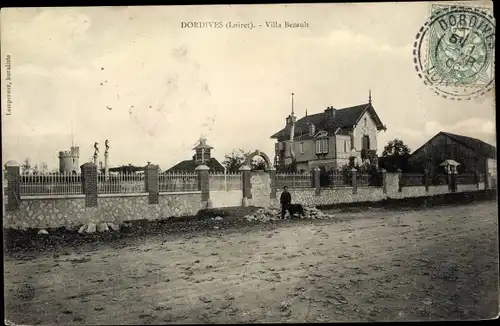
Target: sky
[[133, 76]]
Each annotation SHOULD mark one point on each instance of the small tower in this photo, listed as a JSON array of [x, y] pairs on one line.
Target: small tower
[[202, 154], [69, 160]]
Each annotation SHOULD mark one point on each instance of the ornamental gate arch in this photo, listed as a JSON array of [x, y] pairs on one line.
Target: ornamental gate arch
[[259, 187]]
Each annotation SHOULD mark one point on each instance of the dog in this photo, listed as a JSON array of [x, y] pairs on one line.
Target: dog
[[295, 210]]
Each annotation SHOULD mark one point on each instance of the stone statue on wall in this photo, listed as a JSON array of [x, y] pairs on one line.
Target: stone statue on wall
[[107, 146], [96, 149]]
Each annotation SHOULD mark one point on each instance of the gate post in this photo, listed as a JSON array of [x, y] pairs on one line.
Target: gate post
[[426, 180], [384, 180], [317, 180], [400, 180], [486, 180], [13, 171], [454, 181], [272, 176], [354, 179], [89, 184], [204, 184], [245, 177], [151, 179]]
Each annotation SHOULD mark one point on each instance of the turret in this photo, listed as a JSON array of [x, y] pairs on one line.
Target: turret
[[69, 160], [202, 152]]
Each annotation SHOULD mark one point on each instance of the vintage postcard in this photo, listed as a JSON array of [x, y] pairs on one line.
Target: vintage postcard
[[249, 163]]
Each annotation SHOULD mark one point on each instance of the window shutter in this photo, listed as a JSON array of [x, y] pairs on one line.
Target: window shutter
[[318, 146], [325, 146]]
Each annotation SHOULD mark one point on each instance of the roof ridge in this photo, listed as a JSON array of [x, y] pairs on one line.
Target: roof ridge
[[473, 138]]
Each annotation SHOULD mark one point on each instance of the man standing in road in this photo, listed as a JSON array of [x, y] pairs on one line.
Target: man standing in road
[[285, 200]]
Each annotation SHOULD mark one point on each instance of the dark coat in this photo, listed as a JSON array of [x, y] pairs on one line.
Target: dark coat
[[285, 198]]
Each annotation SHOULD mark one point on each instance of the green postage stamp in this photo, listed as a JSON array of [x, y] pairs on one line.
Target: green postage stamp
[[454, 52]]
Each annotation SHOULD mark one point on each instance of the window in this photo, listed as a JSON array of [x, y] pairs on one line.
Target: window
[[365, 122], [318, 146], [301, 148], [366, 142], [345, 146], [325, 146], [322, 146]]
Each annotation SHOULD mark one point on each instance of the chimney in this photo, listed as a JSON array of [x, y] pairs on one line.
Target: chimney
[[330, 115], [289, 120]]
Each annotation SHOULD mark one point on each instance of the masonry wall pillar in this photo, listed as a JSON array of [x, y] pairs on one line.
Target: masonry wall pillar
[[204, 184], [272, 176], [426, 179], [89, 184], [13, 171], [400, 180], [486, 180], [354, 181], [317, 180], [384, 180], [152, 186], [247, 191]]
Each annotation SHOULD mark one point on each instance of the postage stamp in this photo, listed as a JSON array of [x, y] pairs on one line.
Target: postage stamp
[[454, 52]]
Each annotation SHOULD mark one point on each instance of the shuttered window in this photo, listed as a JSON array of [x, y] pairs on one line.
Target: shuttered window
[[325, 146], [318, 146], [322, 146]]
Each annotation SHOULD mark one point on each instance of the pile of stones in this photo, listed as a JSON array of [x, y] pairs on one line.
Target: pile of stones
[[270, 214], [101, 227], [89, 228]]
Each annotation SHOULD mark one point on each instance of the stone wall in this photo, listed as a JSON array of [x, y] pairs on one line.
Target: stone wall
[[228, 198], [75, 210], [342, 195], [333, 196], [56, 211], [260, 189]]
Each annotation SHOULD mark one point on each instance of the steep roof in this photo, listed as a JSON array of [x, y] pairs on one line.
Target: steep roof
[[475, 144], [480, 147], [344, 118], [128, 168], [190, 166]]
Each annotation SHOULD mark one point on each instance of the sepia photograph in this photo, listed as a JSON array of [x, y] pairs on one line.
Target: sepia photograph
[[280, 163]]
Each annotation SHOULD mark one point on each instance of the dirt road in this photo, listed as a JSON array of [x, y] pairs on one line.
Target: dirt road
[[439, 263]]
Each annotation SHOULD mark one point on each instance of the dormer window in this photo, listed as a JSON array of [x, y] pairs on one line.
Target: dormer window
[[311, 129]]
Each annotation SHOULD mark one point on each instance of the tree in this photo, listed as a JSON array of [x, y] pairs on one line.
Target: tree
[[234, 160], [395, 156], [35, 169], [258, 163], [26, 167]]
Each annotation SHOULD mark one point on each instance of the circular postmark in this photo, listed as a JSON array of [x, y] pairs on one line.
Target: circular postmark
[[454, 52], [26, 292]]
